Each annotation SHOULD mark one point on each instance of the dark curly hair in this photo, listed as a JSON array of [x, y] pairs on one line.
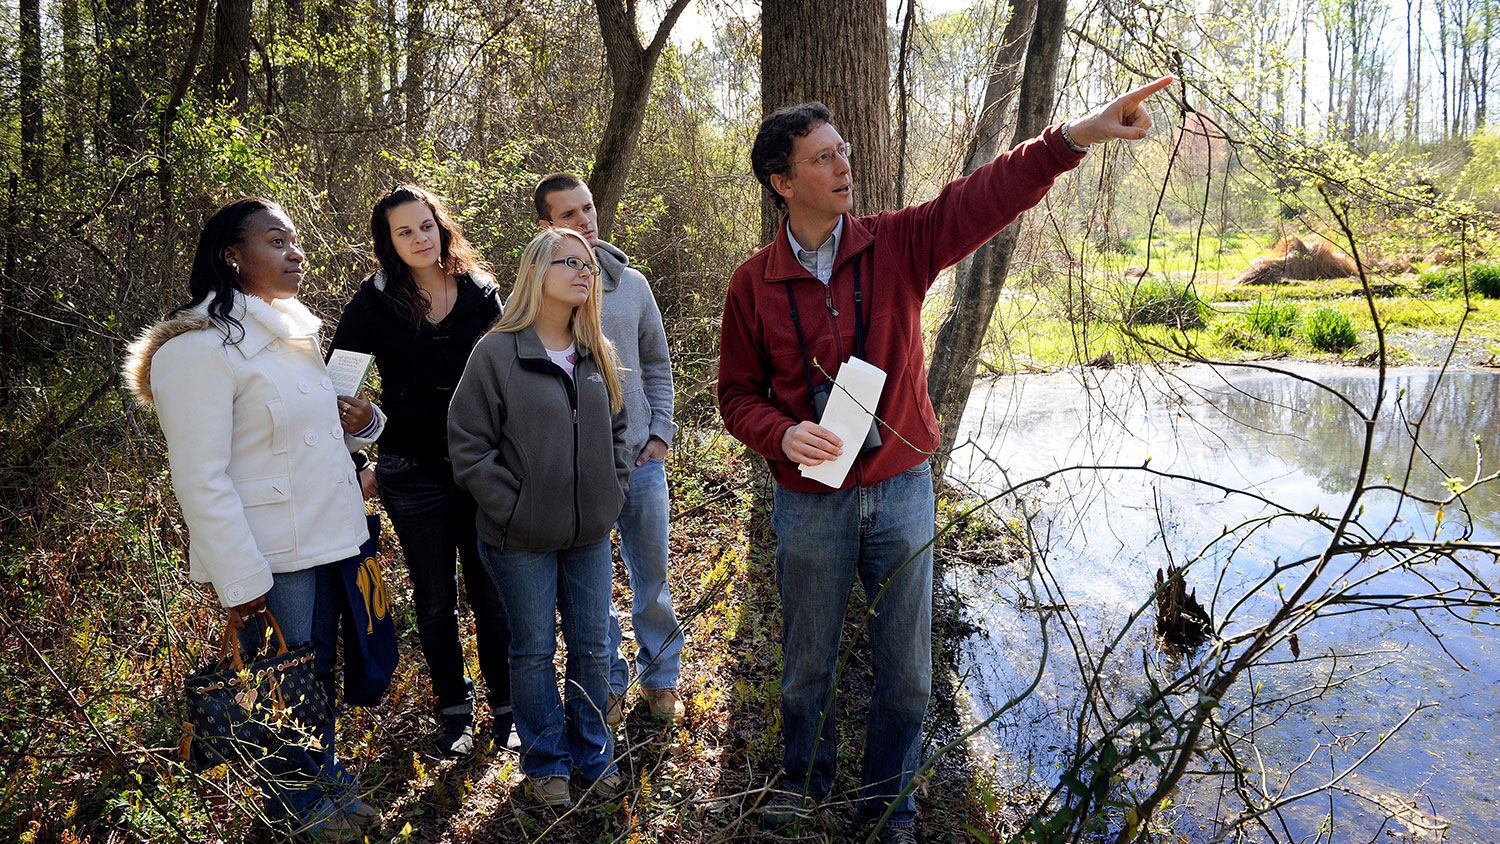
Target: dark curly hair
[[455, 253], [210, 276], [772, 151]]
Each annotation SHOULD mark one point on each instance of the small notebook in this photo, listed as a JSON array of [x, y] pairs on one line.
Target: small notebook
[[349, 371]]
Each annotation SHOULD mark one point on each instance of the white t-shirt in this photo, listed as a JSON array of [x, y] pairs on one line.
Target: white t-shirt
[[565, 358]]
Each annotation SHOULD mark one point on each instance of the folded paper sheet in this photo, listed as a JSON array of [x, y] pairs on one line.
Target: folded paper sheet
[[851, 406]]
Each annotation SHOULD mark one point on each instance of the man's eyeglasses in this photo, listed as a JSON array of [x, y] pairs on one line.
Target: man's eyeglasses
[[576, 264], [825, 158]]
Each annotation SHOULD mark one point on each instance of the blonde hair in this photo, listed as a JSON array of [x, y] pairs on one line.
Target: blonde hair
[[525, 303]]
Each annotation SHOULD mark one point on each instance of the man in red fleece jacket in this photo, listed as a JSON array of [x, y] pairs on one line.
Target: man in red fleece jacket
[[828, 286]]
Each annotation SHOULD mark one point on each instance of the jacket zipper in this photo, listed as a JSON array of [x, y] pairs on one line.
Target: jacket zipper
[[571, 385], [572, 390]]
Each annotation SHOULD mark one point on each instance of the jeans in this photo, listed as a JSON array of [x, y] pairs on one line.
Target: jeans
[[434, 521], [883, 534], [538, 585], [644, 530], [303, 786]]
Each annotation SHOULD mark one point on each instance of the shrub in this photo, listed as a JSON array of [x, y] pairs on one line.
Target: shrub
[[1485, 278], [1156, 301], [1330, 330], [1273, 318], [1440, 279]]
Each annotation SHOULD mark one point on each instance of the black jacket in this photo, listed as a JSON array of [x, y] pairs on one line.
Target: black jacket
[[418, 367]]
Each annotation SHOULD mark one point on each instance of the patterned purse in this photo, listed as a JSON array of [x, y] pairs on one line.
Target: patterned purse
[[239, 712]]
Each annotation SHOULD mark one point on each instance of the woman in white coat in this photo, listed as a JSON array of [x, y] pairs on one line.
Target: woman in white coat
[[258, 446]]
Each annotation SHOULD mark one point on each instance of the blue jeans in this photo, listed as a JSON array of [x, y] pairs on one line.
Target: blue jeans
[[303, 786], [537, 586], [644, 531], [882, 534], [434, 521]]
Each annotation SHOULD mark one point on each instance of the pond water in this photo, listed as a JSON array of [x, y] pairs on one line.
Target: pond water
[[1105, 532]]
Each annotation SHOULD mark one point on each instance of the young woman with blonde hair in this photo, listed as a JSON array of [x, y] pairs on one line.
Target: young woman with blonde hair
[[536, 433]]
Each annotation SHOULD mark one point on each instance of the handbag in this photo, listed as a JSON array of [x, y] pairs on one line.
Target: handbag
[[369, 628], [239, 712]]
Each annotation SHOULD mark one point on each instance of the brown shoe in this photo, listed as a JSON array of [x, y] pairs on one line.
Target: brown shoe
[[551, 792], [664, 703], [616, 711]]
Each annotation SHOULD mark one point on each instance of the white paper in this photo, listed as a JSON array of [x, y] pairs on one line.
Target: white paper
[[850, 410], [348, 370]]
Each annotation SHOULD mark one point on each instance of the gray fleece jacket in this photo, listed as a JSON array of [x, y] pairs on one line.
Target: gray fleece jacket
[[633, 323], [540, 452]]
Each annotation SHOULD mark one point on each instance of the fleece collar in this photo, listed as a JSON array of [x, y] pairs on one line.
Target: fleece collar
[[264, 322]]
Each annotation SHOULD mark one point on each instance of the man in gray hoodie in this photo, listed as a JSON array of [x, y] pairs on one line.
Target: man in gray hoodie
[[633, 323]]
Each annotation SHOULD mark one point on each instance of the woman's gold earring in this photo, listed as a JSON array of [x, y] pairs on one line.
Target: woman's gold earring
[[236, 265]]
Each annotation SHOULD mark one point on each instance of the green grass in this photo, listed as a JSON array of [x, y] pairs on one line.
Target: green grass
[[1272, 318], [1330, 330], [1172, 252]]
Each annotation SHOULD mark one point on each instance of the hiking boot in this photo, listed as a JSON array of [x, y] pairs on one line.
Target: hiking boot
[[784, 809], [898, 835], [456, 736], [664, 703], [616, 711], [551, 792], [610, 786], [363, 815]]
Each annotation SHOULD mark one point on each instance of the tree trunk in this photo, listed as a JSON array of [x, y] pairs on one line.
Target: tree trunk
[[834, 52], [121, 77], [33, 126], [416, 81], [73, 84], [1481, 91], [229, 77], [955, 354], [902, 116], [631, 67]]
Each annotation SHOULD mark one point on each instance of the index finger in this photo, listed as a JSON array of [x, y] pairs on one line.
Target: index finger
[[825, 434], [1141, 93]]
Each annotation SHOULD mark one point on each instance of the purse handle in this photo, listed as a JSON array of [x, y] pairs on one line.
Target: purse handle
[[231, 642]]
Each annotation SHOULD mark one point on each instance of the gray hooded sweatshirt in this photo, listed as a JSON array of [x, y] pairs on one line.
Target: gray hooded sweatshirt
[[633, 323]]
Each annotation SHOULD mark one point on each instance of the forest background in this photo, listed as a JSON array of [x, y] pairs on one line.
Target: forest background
[[1358, 126]]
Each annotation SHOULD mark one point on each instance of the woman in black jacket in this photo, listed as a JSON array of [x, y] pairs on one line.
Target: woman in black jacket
[[420, 316]]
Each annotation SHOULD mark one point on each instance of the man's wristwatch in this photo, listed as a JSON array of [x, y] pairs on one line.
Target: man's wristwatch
[[1068, 139]]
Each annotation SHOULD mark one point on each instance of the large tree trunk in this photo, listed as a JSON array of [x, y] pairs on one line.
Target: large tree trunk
[[230, 75], [33, 126], [631, 67], [834, 52], [950, 376], [416, 80]]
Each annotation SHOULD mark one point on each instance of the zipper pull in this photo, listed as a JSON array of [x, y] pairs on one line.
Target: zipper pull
[[828, 300]]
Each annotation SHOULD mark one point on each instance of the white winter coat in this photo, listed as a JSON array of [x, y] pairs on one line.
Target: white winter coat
[[260, 464]]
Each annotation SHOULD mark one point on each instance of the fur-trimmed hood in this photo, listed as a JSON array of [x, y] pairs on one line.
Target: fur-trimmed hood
[[262, 323]]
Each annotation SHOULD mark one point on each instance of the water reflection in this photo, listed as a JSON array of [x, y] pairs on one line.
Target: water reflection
[[1106, 532]]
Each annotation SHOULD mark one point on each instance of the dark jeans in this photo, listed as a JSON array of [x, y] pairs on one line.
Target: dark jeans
[[434, 520], [304, 786], [880, 535]]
